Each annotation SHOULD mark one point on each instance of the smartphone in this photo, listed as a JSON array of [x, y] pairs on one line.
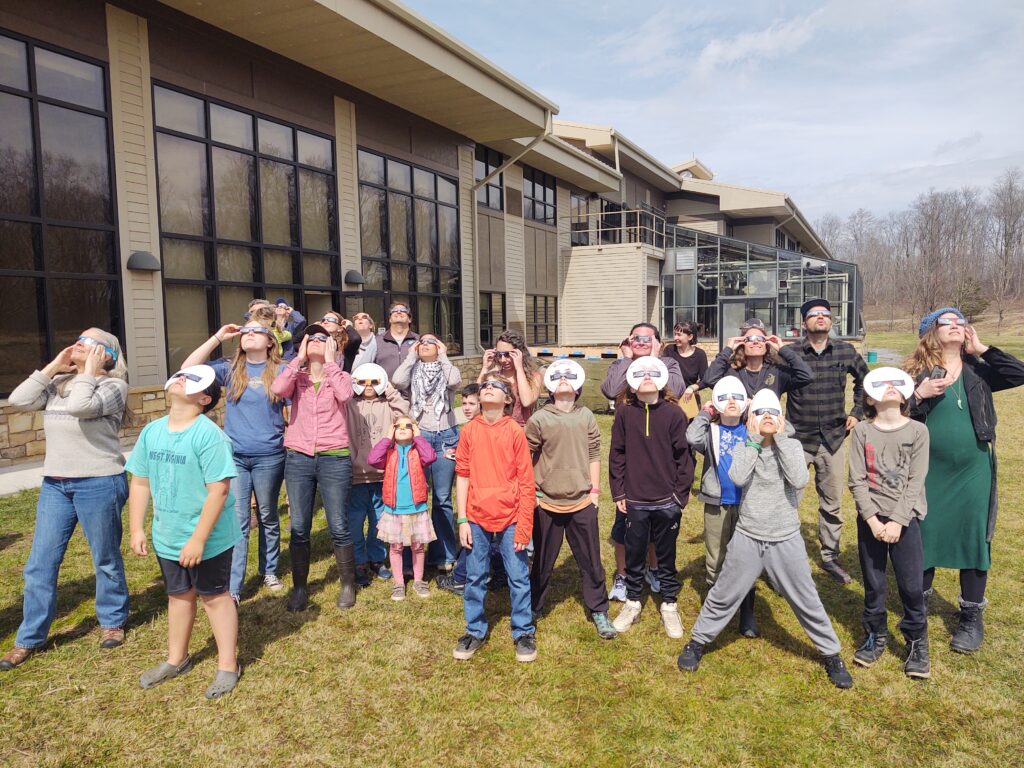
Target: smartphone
[[938, 372]]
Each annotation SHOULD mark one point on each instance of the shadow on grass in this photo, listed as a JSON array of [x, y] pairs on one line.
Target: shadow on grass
[[8, 539]]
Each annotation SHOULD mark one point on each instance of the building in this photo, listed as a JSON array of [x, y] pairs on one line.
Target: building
[[162, 163]]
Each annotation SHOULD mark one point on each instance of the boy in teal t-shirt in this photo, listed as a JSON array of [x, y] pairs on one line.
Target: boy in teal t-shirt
[[185, 461]]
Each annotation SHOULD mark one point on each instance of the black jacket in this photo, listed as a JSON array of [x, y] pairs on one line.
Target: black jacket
[[793, 374], [660, 467], [993, 372]]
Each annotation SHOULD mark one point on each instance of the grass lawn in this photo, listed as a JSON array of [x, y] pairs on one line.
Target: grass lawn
[[377, 686]]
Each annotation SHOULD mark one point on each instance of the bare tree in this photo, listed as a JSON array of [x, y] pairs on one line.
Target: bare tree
[[1005, 239]]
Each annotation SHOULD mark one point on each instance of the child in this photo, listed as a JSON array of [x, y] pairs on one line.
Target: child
[[651, 486], [495, 495], [566, 446], [770, 472], [185, 461], [888, 465], [717, 431], [405, 522], [372, 411]]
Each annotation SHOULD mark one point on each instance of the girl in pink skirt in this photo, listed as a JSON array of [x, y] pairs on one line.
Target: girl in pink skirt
[[405, 522]]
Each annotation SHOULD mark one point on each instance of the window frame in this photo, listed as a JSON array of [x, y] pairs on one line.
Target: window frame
[[549, 326], [492, 160], [494, 328], [40, 222], [540, 179]]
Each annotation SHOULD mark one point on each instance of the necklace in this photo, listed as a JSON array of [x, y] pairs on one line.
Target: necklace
[[959, 395]]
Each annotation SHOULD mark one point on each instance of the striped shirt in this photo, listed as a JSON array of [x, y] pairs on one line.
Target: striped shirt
[[818, 410]]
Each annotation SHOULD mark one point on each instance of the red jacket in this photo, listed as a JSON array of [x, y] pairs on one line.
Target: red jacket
[[384, 456]]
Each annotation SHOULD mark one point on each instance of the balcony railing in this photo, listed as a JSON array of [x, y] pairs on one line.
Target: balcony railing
[[639, 225]]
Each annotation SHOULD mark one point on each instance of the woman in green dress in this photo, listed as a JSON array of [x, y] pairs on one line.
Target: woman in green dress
[[956, 375]]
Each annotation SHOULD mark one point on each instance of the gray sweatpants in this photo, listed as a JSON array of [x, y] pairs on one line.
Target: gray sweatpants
[[787, 567]]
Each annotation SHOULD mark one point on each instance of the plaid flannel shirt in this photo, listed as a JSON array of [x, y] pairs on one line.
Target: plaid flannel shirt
[[817, 411]]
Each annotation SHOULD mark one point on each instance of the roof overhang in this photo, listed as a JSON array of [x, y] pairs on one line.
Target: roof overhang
[[631, 158], [565, 162], [747, 203], [695, 168], [385, 49]]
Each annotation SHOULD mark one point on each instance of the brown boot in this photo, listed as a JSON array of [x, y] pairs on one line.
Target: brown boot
[[112, 638], [15, 657]]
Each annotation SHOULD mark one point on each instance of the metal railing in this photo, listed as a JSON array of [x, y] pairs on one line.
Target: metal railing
[[631, 225]]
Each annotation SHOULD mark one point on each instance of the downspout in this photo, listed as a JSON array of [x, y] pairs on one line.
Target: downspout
[[476, 186]]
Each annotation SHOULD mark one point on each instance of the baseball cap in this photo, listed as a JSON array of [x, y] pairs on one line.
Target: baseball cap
[[806, 306]]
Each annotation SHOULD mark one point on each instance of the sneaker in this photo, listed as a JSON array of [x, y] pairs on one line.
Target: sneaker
[[871, 649], [670, 618], [526, 648], [836, 571], [917, 664], [271, 582], [689, 659], [398, 592], [448, 584], [618, 591], [421, 589], [837, 672], [112, 638], [605, 630], [652, 580], [628, 616], [383, 572], [468, 645], [362, 576]]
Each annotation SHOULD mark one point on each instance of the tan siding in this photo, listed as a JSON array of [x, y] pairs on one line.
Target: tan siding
[[603, 294], [515, 258], [653, 272], [467, 211], [348, 184], [564, 240], [135, 179]]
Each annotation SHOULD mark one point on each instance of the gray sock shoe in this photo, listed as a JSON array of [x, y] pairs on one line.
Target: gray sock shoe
[[161, 673], [223, 683]]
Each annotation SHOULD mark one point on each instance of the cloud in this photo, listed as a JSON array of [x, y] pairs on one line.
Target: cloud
[[781, 38], [957, 145]]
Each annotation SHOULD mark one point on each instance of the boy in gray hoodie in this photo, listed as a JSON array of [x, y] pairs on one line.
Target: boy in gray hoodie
[[771, 471]]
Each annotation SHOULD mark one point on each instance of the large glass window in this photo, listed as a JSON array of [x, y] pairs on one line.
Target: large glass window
[[492, 318], [409, 229], [59, 263], [541, 320], [491, 193], [247, 209], [538, 196]]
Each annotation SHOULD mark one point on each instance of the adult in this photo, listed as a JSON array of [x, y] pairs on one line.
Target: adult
[[263, 311], [83, 394], [692, 360], [354, 348], [396, 342], [642, 341], [760, 361], [431, 379], [511, 358], [956, 375], [254, 421], [318, 456], [290, 320], [817, 412]]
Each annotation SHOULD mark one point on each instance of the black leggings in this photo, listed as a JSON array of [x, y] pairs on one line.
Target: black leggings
[[972, 583]]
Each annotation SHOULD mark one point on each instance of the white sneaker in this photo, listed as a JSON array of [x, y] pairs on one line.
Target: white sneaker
[[627, 616], [618, 591], [652, 580], [271, 582], [670, 618]]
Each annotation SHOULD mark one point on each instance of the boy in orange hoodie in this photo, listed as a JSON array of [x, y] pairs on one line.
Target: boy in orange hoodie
[[495, 495]]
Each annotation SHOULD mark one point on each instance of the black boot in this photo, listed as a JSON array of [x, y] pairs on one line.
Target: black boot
[[872, 648], [345, 557], [299, 597], [971, 630], [748, 624], [917, 664]]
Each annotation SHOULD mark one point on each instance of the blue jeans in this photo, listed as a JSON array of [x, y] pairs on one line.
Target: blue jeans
[[262, 474], [365, 505], [518, 573], [96, 503], [441, 474], [497, 566], [333, 475]]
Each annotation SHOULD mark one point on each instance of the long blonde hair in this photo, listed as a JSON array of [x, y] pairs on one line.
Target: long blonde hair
[[239, 374], [927, 355]]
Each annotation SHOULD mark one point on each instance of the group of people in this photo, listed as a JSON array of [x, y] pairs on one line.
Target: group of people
[[369, 421]]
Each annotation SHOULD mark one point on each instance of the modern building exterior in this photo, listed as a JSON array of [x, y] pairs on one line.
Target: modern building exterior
[[162, 163]]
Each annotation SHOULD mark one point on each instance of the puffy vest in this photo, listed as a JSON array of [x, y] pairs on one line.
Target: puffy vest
[[416, 477]]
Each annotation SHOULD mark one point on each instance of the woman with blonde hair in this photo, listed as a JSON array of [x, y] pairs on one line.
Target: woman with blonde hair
[[955, 375], [254, 420], [83, 394]]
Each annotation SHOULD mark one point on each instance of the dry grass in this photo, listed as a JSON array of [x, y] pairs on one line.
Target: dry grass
[[376, 686]]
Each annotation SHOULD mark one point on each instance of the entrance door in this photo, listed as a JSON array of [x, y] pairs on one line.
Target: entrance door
[[733, 311]]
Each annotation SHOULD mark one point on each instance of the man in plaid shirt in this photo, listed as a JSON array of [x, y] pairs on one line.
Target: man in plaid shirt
[[817, 412]]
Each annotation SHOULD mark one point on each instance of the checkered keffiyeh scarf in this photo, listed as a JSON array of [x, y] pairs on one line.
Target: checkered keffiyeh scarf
[[429, 389]]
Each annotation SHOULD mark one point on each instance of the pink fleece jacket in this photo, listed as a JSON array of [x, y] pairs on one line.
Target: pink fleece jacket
[[318, 418]]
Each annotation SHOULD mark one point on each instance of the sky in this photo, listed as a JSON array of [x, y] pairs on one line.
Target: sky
[[843, 105]]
